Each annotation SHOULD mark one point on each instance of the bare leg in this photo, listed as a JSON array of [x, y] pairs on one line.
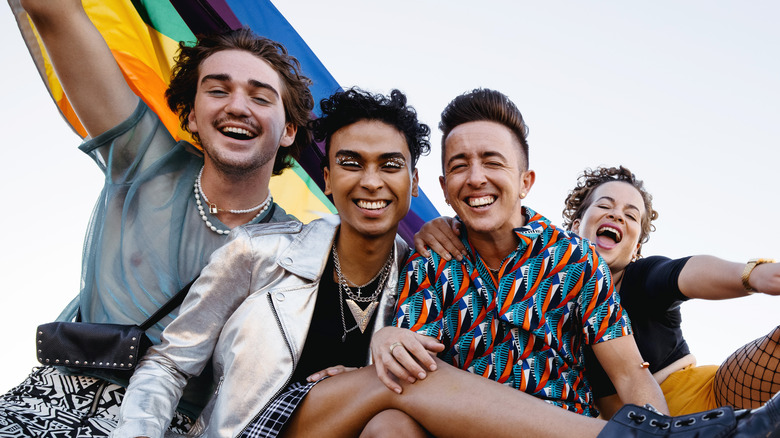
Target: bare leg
[[751, 375], [449, 402], [393, 423]]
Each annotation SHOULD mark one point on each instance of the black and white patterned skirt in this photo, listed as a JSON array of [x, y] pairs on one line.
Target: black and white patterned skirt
[[272, 420], [51, 404]]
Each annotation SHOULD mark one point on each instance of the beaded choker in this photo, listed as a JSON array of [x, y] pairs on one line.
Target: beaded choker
[[198, 190]]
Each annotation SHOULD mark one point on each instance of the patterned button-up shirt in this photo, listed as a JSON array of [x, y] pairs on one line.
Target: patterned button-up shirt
[[526, 326]]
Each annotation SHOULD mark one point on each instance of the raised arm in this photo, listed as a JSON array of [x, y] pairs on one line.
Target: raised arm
[[713, 278], [83, 62]]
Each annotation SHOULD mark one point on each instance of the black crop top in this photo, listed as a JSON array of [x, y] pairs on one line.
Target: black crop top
[[651, 296]]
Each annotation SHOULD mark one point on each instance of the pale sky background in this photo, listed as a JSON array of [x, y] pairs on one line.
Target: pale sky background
[[685, 94]]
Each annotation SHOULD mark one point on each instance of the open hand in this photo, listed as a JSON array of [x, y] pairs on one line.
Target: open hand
[[401, 354]]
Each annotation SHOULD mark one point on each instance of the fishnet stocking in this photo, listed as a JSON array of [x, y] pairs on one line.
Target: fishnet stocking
[[751, 375]]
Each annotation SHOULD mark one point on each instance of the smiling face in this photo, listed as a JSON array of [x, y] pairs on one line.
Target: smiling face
[[613, 222], [484, 178], [370, 177], [238, 112]]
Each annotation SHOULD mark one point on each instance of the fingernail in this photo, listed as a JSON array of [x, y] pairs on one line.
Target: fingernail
[[421, 375], [397, 390], [433, 367], [447, 257], [411, 379]]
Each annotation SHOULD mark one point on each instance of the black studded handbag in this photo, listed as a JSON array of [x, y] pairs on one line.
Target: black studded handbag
[[115, 348]]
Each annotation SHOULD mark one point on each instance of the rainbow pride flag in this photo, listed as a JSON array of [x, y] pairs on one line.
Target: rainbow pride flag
[[143, 35]]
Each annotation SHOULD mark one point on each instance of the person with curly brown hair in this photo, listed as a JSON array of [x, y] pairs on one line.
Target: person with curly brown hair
[[165, 205], [611, 207]]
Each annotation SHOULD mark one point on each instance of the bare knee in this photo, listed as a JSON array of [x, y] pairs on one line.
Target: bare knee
[[774, 335], [393, 423]]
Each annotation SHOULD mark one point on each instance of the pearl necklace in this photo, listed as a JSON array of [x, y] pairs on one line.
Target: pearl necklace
[[199, 191], [213, 207]]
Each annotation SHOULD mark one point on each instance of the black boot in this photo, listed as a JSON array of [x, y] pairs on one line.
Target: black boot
[[632, 421]]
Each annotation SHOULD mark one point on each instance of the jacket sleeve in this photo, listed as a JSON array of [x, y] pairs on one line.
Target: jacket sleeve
[[188, 342]]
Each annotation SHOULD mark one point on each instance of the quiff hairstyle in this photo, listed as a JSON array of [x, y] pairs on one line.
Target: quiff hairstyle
[[581, 197], [488, 105], [296, 96]]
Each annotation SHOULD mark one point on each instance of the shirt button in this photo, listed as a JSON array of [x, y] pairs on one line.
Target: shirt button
[[280, 296], [287, 261]]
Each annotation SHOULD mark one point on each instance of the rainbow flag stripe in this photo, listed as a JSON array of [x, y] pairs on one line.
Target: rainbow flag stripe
[[143, 36]]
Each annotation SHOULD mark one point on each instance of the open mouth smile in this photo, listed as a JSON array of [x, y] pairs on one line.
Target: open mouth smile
[[482, 201], [609, 232], [371, 205], [237, 133]]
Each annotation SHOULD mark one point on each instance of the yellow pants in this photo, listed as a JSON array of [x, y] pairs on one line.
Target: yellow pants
[[690, 390]]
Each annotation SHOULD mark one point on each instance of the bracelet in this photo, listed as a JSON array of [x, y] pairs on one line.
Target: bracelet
[[752, 263]]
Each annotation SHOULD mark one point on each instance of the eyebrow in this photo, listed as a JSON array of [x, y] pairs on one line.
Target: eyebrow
[[485, 154], [611, 199], [384, 156], [224, 77]]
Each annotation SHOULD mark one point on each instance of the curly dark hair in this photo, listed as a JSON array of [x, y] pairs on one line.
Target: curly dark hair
[[296, 96], [581, 197], [346, 107], [488, 105]]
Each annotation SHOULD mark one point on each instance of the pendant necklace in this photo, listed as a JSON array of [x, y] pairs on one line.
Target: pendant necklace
[[362, 317]]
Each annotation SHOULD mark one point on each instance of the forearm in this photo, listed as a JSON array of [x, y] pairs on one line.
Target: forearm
[[83, 62], [711, 278], [641, 388], [151, 398], [621, 360]]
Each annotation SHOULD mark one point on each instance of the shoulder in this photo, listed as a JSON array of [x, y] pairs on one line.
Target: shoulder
[[265, 236], [655, 263], [316, 233], [541, 227], [286, 228]]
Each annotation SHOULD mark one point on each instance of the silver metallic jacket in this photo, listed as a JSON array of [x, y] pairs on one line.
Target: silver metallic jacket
[[251, 308]]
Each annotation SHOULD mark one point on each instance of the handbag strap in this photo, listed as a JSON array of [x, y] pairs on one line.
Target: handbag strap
[[177, 299], [168, 307]]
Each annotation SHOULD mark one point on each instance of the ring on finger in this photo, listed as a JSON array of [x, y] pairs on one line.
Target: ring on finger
[[393, 345]]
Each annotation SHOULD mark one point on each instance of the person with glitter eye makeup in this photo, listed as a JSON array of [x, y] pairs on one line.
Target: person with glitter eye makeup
[[283, 305]]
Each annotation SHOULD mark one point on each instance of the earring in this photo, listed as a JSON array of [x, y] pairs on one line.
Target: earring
[[522, 195]]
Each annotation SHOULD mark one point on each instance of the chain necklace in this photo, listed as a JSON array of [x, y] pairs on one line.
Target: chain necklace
[[362, 317], [214, 210]]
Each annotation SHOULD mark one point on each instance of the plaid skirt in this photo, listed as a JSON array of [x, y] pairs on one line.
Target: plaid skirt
[[51, 404], [271, 421]]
